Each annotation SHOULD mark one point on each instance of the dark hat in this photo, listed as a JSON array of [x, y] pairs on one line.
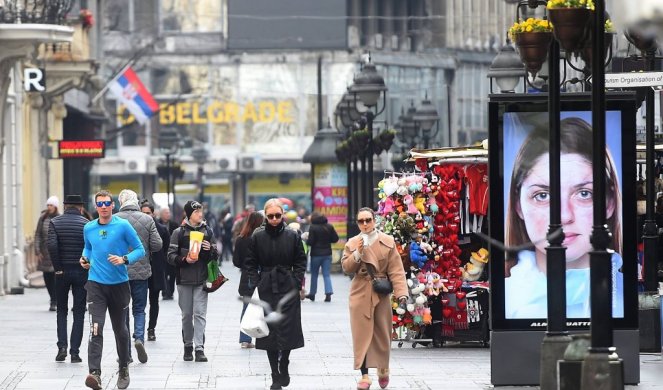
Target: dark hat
[[190, 206], [73, 199]]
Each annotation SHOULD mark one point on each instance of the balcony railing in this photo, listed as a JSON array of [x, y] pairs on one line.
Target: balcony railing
[[34, 11]]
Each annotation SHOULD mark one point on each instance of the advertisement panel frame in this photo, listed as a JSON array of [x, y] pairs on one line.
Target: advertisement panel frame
[[521, 338]]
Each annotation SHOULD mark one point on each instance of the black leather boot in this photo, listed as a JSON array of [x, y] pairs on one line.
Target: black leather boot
[[276, 382], [283, 369]]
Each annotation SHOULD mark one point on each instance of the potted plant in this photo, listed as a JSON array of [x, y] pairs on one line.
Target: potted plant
[[586, 52], [570, 19], [532, 38]]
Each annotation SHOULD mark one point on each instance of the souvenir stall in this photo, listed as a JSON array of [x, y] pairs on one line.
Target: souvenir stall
[[432, 212]]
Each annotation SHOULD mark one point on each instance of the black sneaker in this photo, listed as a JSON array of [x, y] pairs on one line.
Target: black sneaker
[[328, 297], [93, 380], [62, 354], [200, 356], [188, 354], [311, 297], [140, 350], [75, 358], [53, 307], [123, 378], [150, 335]]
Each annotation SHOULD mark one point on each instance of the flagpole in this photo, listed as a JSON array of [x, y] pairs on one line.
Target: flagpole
[[114, 79]]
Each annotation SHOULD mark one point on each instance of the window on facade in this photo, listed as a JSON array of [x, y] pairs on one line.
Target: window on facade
[[117, 17], [191, 15]]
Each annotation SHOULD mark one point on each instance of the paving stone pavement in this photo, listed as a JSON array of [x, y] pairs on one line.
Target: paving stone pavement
[[28, 349]]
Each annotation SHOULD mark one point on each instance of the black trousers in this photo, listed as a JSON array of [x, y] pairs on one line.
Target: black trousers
[[74, 281], [154, 304], [49, 281], [113, 298]]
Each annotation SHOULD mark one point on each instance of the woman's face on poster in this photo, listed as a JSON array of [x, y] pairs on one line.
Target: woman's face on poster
[[577, 191]]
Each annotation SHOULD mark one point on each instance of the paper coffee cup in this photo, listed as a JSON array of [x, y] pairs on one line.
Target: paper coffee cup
[[195, 242]]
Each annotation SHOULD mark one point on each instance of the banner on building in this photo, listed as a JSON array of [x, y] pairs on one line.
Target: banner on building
[[330, 197]]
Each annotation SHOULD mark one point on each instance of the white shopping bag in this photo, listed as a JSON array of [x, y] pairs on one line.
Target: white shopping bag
[[253, 323]]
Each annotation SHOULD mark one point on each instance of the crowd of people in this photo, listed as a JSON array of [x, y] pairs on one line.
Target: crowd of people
[[127, 259]]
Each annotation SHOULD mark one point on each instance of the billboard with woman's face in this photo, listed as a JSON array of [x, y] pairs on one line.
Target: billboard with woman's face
[[520, 295]]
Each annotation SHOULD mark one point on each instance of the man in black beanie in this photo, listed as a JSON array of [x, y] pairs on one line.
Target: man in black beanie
[[191, 275]]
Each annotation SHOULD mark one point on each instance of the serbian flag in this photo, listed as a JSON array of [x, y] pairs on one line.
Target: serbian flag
[[131, 92]]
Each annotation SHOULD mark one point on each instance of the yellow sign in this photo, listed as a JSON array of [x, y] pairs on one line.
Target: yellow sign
[[198, 112]]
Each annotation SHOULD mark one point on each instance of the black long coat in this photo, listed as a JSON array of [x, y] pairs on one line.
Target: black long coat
[[239, 256], [276, 263], [158, 279]]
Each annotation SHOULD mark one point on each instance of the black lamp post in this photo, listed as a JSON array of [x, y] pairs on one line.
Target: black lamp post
[[426, 117], [647, 45], [169, 145], [200, 155], [367, 88]]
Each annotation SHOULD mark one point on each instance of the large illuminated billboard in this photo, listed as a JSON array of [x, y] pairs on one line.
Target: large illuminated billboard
[[520, 187]]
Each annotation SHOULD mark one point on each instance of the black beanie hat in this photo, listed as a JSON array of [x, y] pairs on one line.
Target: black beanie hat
[[190, 206]]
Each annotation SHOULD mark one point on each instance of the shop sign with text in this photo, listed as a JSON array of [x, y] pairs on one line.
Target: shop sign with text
[[82, 149]]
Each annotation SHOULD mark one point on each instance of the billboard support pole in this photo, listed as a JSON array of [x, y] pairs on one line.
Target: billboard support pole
[[557, 338], [602, 368], [650, 231]]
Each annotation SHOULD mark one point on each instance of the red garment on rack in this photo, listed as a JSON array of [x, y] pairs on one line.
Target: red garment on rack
[[477, 181]]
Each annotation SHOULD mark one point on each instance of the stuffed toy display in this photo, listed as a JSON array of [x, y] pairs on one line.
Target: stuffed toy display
[[421, 210]]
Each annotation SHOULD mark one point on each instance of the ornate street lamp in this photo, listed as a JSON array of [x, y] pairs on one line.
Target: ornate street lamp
[[169, 146], [200, 155], [367, 88], [506, 69], [426, 117]]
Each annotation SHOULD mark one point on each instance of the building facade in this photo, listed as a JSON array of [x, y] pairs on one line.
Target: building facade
[[241, 77]]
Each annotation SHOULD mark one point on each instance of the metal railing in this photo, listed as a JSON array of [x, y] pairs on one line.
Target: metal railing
[[34, 11]]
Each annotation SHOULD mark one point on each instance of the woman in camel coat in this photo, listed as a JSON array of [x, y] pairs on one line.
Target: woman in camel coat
[[370, 312]]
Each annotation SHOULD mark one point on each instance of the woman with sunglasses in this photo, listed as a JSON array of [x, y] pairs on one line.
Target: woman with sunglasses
[[370, 312], [275, 263]]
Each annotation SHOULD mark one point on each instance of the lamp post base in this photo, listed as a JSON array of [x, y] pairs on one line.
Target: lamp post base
[[552, 350], [603, 370]]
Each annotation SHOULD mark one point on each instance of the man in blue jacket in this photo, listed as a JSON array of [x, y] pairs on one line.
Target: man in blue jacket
[[111, 243], [65, 245]]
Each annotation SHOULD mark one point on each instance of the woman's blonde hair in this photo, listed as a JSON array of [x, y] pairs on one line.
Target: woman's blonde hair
[[272, 203]]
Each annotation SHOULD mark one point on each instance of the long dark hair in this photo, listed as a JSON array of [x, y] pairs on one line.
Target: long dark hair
[[253, 221]]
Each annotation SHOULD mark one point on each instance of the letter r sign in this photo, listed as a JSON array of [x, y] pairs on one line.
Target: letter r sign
[[34, 79]]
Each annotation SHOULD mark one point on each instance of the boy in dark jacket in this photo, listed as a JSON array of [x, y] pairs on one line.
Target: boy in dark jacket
[[191, 275]]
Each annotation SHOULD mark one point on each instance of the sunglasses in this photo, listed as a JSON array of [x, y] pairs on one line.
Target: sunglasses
[[364, 221], [106, 203], [274, 216]]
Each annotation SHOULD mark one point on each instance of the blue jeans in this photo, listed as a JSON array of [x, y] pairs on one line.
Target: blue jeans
[[325, 263], [243, 337], [138, 303], [74, 281]]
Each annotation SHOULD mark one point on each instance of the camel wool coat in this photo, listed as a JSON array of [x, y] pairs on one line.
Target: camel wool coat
[[370, 312]]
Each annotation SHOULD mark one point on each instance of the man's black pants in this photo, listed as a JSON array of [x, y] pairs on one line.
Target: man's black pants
[[113, 298]]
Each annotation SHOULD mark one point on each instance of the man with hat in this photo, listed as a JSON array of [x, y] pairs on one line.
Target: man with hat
[[65, 245]]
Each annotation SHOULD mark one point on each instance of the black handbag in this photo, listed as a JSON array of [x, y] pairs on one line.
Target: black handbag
[[381, 286]]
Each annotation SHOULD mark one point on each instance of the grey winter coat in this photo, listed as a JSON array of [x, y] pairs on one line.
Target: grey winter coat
[[149, 237], [41, 241]]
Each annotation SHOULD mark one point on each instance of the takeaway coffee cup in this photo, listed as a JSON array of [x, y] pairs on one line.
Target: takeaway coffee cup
[[195, 242]]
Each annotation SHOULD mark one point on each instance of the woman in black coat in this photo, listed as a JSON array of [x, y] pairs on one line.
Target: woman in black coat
[[253, 221], [276, 264]]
